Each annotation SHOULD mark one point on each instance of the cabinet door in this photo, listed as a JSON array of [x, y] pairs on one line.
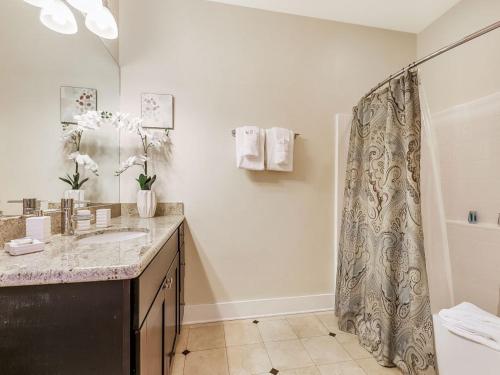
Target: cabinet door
[[152, 338], [180, 286], [170, 313]]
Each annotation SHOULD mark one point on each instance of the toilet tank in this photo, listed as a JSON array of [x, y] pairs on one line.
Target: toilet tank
[[459, 356]]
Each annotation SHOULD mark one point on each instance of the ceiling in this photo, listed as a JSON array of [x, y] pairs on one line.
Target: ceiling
[[403, 15]]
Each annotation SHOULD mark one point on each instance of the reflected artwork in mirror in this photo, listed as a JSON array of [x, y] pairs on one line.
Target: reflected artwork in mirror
[[76, 101]]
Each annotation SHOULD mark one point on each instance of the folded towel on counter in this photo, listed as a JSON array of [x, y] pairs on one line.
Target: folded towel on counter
[[470, 322], [250, 142], [279, 149]]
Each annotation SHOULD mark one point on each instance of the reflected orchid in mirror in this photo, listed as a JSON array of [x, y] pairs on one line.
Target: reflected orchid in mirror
[[72, 137], [85, 161]]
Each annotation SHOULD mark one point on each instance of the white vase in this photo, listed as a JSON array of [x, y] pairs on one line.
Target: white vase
[[77, 195], [146, 203]]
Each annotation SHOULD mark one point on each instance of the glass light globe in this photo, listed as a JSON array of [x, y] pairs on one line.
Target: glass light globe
[[102, 23], [58, 17]]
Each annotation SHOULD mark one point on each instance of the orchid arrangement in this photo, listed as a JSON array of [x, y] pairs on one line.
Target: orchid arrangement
[[149, 140], [72, 137], [94, 120]]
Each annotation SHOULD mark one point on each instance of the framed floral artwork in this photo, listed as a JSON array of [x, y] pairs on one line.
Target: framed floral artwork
[[157, 111], [76, 101]]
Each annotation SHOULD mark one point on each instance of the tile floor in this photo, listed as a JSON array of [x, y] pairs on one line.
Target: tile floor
[[305, 344]]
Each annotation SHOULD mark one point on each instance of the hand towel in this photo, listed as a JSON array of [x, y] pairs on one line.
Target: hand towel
[[471, 322], [250, 142], [279, 149]]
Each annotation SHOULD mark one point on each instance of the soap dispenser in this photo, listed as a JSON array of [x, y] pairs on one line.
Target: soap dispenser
[[39, 227]]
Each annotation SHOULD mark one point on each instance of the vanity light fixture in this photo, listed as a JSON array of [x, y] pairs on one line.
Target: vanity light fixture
[[102, 23], [57, 16]]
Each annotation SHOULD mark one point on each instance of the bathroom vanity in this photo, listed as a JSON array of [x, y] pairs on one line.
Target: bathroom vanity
[[95, 308]]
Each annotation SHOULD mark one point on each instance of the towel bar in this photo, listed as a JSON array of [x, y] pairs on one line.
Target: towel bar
[[233, 132]]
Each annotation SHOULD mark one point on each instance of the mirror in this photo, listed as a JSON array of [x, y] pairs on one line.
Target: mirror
[[44, 76]]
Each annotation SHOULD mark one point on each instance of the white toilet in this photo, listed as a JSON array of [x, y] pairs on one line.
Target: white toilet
[[459, 356]]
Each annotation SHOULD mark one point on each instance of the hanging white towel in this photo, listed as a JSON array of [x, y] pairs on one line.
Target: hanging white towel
[[471, 322], [279, 149], [250, 146], [250, 142]]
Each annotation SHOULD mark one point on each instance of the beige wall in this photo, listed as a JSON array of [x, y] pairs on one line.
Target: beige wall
[[461, 87], [470, 71], [252, 235], [34, 63]]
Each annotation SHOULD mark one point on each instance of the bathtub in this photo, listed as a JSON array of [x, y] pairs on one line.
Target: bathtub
[[459, 356]]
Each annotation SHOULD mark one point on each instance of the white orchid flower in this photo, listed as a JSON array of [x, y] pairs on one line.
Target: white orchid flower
[[91, 120], [85, 161], [143, 133], [69, 134], [134, 125], [119, 120], [130, 162], [158, 139]]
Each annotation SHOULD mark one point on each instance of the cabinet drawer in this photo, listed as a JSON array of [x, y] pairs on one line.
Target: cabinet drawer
[[147, 284]]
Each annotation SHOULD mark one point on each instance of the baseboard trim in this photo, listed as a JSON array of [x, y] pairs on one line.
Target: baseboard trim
[[257, 308]]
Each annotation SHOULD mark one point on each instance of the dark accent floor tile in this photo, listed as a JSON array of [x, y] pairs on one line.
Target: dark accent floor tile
[[274, 371], [255, 322], [332, 334], [186, 352]]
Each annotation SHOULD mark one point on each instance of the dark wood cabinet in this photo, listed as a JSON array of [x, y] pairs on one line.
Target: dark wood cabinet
[[182, 271], [157, 319], [171, 310], [157, 334], [61, 329], [122, 327], [151, 338]]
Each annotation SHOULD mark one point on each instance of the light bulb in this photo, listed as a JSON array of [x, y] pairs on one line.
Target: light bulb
[[102, 23], [38, 3], [58, 17], [86, 6]]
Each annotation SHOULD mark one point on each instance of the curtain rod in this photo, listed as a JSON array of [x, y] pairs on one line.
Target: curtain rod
[[437, 53]]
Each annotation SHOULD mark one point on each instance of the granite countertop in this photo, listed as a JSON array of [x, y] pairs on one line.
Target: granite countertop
[[64, 260]]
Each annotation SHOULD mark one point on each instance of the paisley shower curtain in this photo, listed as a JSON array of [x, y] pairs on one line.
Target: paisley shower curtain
[[382, 290]]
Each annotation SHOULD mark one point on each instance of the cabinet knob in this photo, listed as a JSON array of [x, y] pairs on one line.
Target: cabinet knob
[[170, 282]]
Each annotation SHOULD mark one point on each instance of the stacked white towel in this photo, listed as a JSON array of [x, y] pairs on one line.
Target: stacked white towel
[[279, 149], [82, 219], [103, 218], [250, 142], [469, 321]]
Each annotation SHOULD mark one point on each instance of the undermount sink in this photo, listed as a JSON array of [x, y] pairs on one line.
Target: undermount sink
[[113, 235]]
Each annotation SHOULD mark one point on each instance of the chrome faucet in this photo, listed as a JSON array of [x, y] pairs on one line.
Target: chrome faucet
[[67, 208]]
